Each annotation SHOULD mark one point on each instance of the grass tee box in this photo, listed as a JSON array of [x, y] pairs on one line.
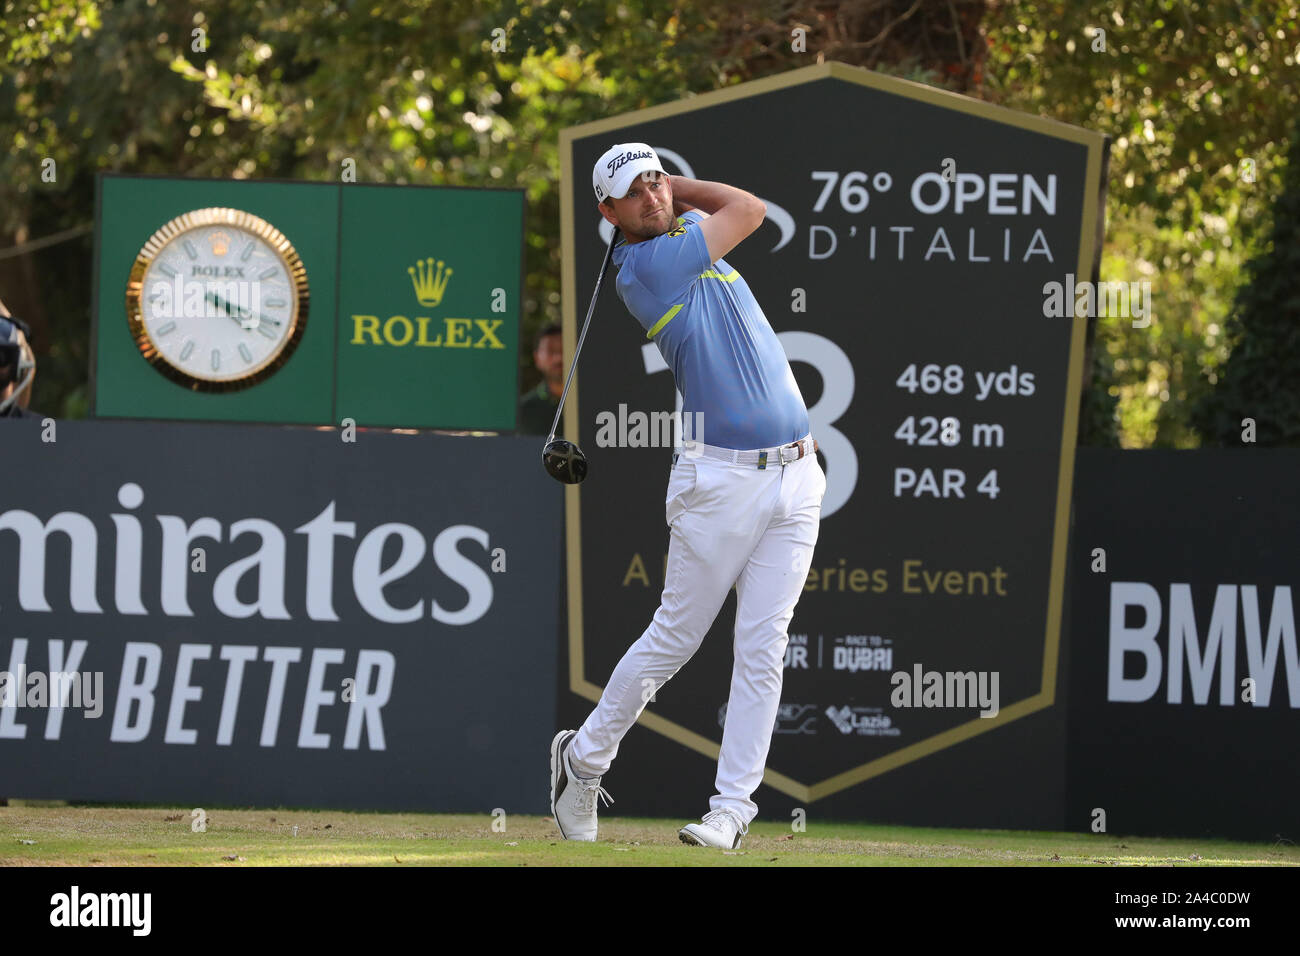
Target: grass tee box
[[307, 303], [186, 836]]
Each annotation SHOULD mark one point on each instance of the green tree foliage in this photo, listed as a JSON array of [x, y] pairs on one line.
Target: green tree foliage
[[411, 91], [1196, 97], [88, 86], [472, 93], [1260, 379]]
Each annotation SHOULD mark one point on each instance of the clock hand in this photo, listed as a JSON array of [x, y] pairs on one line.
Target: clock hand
[[240, 314], [257, 319], [225, 307]]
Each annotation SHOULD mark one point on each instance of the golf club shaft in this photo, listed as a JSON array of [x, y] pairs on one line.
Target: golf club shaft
[[591, 310]]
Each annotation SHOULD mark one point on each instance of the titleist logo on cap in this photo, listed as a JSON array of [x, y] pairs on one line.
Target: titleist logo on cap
[[622, 160]]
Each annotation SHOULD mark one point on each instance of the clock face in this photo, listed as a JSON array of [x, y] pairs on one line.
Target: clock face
[[217, 299]]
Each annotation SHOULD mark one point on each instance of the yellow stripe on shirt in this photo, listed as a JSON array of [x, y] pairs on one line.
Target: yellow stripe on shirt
[[667, 317]]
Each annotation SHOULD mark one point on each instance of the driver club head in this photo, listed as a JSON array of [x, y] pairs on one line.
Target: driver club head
[[564, 461]]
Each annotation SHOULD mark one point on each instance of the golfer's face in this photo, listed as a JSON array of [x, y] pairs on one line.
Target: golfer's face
[[647, 209]]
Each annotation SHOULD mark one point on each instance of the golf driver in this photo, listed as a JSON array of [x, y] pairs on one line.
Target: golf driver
[[564, 461]]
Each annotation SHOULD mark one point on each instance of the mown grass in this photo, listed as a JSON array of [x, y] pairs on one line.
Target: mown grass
[[81, 836]]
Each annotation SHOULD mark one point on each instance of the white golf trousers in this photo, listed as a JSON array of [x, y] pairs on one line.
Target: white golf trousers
[[730, 525]]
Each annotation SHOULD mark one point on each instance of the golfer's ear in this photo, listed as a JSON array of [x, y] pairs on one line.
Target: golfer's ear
[[724, 229]]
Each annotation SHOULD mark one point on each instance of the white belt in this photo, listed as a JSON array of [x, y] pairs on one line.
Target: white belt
[[758, 457]]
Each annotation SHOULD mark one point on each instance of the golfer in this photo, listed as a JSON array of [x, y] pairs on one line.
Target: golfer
[[743, 505]]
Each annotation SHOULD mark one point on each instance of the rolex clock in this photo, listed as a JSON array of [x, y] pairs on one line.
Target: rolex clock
[[217, 300]]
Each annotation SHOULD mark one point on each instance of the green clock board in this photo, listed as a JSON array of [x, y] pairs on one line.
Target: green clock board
[[307, 303]]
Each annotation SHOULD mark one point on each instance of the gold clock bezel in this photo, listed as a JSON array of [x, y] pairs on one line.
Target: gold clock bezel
[[171, 232]]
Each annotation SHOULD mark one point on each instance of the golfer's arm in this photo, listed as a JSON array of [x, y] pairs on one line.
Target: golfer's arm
[[732, 213]]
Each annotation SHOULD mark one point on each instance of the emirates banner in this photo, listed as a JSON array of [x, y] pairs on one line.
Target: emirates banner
[[276, 616]]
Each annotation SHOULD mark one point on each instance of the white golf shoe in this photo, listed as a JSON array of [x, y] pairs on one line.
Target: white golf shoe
[[573, 798], [719, 828]]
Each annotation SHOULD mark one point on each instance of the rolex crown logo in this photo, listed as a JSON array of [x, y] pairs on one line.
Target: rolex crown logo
[[220, 243], [430, 283]]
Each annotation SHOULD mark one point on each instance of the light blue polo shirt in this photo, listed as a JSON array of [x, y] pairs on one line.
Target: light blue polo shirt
[[726, 360]]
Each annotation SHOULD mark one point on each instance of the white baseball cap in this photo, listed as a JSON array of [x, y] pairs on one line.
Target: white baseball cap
[[613, 173]]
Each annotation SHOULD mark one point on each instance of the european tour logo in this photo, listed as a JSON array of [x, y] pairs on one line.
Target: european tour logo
[[429, 279]]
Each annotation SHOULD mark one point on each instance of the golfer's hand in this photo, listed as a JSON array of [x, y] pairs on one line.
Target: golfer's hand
[[680, 207]]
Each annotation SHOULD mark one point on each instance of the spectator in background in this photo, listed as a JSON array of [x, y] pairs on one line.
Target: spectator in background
[[537, 408], [17, 367]]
